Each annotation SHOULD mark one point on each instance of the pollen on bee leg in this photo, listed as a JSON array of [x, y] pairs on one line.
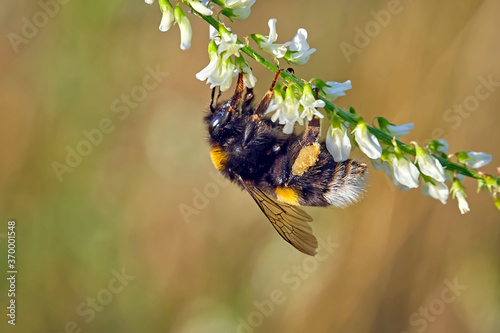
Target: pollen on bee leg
[[219, 157], [308, 157], [287, 195]]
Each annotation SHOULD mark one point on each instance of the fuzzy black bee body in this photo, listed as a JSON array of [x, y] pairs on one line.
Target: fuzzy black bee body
[[280, 171]]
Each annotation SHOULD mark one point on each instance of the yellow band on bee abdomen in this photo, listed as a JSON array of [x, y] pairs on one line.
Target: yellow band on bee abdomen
[[219, 157], [287, 195]]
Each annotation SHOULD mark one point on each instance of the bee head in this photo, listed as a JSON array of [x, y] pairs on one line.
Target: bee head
[[221, 114]]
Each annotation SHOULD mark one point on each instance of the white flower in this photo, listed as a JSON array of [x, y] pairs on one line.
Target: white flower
[[229, 43], [405, 172], [336, 89], [184, 26], [380, 164], [443, 146], [458, 192], [287, 110], [167, 18], [217, 72], [149, 2], [396, 131], [300, 48], [462, 203], [240, 8], [438, 191], [199, 7], [429, 165], [266, 43], [439, 145], [249, 79], [214, 64], [337, 142], [399, 130], [477, 159], [367, 142], [276, 103], [213, 34], [223, 77], [310, 103]]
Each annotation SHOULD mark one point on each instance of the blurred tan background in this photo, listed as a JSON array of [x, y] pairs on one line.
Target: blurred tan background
[[103, 247]]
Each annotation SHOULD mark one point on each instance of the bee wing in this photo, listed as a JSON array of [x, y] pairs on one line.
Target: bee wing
[[290, 222]]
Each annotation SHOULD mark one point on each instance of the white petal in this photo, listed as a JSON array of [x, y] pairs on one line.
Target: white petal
[[209, 70], [336, 89], [273, 36], [387, 168], [167, 19], [478, 159], [338, 144], [438, 191], [400, 130], [299, 41], [249, 80], [405, 172], [443, 148], [462, 203], [186, 33], [200, 8], [288, 129], [431, 167], [301, 57], [277, 50], [368, 143]]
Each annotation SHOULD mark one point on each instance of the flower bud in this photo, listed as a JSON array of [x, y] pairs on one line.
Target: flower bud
[[167, 18], [184, 26]]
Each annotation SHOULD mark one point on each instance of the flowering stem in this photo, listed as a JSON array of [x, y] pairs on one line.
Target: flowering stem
[[343, 114]]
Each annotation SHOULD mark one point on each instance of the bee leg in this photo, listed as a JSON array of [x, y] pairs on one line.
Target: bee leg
[[238, 92], [268, 97], [312, 132], [247, 102]]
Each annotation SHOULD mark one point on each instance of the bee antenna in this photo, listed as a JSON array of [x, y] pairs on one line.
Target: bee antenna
[[236, 99], [212, 109]]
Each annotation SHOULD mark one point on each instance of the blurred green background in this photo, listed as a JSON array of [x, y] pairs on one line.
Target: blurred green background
[[395, 262]]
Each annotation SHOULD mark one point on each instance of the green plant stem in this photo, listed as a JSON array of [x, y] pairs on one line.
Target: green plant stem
[[344, 115]]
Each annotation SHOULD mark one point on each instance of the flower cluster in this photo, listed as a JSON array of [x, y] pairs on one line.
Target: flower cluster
[[295, 104], [298, 51], [409, 166], [238, 9], [226, 61]]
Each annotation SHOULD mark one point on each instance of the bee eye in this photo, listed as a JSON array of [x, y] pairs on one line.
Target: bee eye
[[220, 119], [214, 124]]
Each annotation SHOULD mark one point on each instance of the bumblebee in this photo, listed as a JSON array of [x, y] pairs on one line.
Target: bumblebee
[[280, 171]]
